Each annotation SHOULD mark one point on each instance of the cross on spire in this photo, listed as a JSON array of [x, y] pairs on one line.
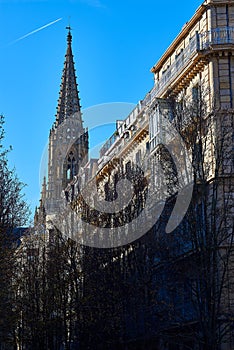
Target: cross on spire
[[69, 36], [69, 28]]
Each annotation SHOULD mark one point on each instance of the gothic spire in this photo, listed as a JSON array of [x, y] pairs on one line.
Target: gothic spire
[[69, 102]]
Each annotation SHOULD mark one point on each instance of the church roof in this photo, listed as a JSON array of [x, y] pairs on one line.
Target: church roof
[[68, 102]]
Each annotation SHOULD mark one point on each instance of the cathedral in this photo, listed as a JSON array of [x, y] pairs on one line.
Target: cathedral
[[68, 141]]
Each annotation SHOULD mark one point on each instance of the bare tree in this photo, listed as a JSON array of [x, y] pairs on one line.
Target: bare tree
[[14, 212]]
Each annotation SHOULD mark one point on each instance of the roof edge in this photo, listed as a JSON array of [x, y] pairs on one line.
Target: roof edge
[[199, 12]]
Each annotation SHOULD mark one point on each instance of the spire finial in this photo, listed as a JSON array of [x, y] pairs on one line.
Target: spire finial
[[69, 36], [69, 29]]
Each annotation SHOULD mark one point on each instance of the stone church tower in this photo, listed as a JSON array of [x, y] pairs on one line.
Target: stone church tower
[[68, 141]]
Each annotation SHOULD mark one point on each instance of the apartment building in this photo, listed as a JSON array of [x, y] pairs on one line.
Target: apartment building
[[188, 112]]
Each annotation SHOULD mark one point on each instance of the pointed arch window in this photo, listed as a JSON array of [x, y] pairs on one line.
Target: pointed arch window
[[71, 166]]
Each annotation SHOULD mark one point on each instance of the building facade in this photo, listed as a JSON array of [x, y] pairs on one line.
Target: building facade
[[176, 147], [193, 90]]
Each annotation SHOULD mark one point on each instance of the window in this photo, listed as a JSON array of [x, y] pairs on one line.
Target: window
[[128, 166], [197, 160], [68, 172], [71, 167], [195, 93], [138, 157]]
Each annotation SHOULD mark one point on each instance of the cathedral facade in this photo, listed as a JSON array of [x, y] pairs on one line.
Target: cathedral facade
[[68, 141]]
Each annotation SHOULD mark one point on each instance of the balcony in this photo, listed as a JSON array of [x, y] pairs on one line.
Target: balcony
[[131, 118], [218, 36], [107, 145], [175, 68], [199, 43]]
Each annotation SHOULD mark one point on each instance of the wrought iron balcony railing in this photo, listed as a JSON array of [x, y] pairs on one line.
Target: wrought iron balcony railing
[[199, 43], [218, 36]]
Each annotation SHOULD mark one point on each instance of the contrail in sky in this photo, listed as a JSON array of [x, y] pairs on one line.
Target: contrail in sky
[[35, 31]]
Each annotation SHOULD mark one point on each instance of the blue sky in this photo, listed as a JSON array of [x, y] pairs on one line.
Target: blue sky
[[115, 43]]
